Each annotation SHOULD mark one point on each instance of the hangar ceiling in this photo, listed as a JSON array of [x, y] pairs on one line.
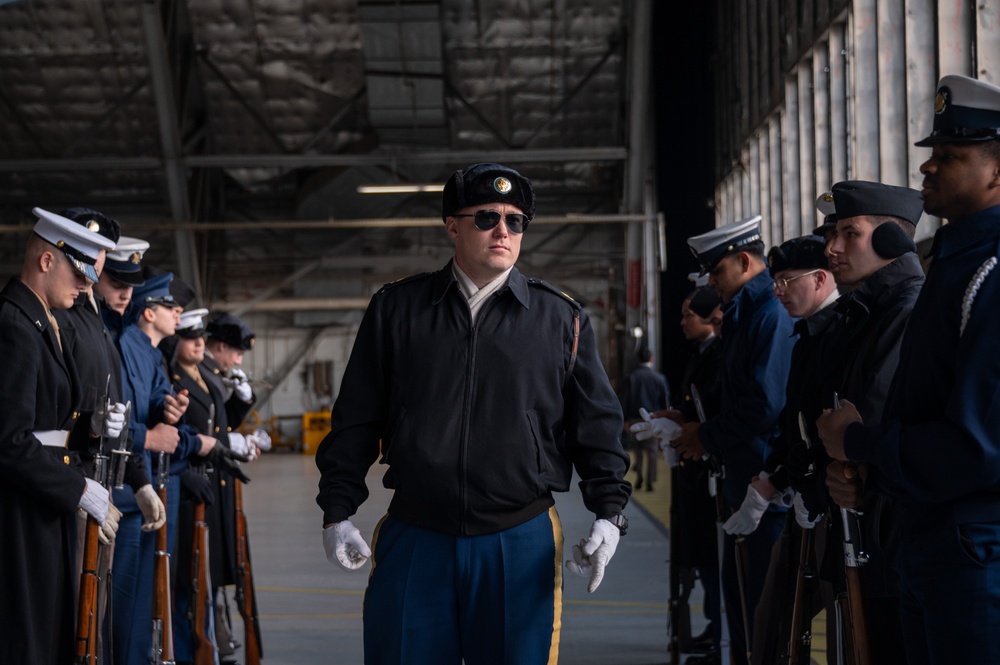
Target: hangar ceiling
[[234, 134]]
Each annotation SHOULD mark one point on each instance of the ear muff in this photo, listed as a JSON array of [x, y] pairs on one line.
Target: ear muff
[[890, 241]]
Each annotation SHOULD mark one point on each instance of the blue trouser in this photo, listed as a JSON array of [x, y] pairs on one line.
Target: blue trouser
[[438, 599], [950, 594], [131, 605], [757, 546]]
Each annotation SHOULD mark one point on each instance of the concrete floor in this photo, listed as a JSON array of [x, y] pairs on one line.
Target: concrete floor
[[310, 610]]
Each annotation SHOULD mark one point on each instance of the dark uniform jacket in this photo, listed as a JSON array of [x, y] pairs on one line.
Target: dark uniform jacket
[[757, 345], [220, 514], [40, 486], [874, 317], [479, 422], [645, 388], [695, 513], [938, 447], [816, 368], [96, 358]]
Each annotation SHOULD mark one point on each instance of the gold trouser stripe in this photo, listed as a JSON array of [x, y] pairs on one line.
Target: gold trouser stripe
[[557, 535]]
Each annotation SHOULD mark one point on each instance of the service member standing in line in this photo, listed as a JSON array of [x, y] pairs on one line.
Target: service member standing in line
[[757, 342], [485, 390], [937, 448], [645, 388], [96, 359], [41, 482]]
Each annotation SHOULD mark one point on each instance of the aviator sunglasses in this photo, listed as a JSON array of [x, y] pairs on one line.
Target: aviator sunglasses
[[488, 219]]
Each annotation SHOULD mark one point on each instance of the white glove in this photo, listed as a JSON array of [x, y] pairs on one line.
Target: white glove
[[241, 385], [746, 519], [344, 546], [107, 533], [261, 439], [95, 501], [802, 513], [154, 515], [663, 429], [238, 444], [591, 556], [109, 424]]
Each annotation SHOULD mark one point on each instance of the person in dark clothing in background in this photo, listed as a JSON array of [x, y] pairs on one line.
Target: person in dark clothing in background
[[645, 388]]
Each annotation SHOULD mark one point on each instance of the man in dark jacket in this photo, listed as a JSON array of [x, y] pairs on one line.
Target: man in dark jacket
[[42, 482], [936, 447], [645, 388], [482, 390], [872, 254]]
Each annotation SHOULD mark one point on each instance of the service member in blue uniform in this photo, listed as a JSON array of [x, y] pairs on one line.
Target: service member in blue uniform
[[757, 342], [486, 391], [937, 448], [644, 388], [41, 482]]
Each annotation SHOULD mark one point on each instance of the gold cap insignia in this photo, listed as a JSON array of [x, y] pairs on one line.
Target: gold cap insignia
[[828, 197], [93, 226], [250, 343], [502, 185], [941, 101], [61, 244], [135, 258]]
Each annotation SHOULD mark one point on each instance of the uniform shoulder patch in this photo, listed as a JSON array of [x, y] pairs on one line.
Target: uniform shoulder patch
[[534, 281], [404, 280]]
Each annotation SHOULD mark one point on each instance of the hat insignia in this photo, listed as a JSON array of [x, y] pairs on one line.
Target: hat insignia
[[941, 100], [135, 258], [61, 244], [828, 197], [502, 185], [250, 343], [93, 226]]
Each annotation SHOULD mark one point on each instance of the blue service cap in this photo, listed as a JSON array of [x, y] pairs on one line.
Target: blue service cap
[[155, 291], [854, 198], [81, 244], [965, 110], [709, 248]]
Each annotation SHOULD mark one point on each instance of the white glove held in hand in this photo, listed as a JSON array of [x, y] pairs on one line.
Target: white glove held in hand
[[261, 439], [344, 546], [591, 556], [109, 424], [746, 519], [107, 533], [154, 515], [241, 386], [802, 513], [663, 429], [238, 444], [95, 501]]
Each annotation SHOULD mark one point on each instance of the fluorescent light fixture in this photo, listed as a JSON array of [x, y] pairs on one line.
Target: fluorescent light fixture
[[401, 189]]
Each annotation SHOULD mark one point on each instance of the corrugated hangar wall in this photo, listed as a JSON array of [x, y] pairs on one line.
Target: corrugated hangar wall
[[811, 93]]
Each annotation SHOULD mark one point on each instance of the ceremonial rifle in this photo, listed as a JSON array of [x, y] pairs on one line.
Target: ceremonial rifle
[[716, 474], [851, 603], [87, 618], [800, 635], [246, 595], [204, 653], [163, 632]]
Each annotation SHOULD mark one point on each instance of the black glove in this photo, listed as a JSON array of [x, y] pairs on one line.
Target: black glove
[[225, 459], [197, 486]]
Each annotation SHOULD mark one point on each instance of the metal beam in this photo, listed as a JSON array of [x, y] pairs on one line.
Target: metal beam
[[534, 156], [174, 169], [307, 346]]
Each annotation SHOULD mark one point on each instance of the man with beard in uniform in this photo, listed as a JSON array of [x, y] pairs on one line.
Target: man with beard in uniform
[[41, 482]]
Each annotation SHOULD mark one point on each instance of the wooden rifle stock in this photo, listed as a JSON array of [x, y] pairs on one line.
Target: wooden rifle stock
[[163, 630], [855, 620], [87, 619], [800, 636], [246, 595], [204, 653]]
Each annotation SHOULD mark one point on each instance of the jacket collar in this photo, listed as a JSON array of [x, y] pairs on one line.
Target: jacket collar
[[958, 235], [444, 280]]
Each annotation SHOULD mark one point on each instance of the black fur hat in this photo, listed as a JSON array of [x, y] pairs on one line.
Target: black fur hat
[[487, 183]]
